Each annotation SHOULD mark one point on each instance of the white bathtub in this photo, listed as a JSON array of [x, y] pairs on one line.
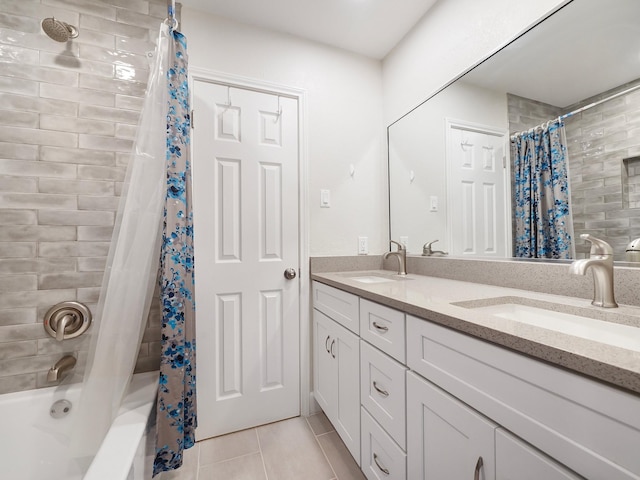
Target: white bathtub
[[33, 444]]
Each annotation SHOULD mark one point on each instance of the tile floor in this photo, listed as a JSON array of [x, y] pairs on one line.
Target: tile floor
[[295, 449]]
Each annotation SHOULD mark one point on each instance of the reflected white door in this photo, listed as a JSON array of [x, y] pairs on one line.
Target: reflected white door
[[245, 165], [477, 189]]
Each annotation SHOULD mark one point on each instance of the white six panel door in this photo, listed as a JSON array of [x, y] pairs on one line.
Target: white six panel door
[[477, 184], [245, 165]]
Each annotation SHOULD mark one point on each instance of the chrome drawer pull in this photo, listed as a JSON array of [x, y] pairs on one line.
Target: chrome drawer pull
[[379, 327], [326, 344], [382, 469], [384, 393], [332, 344], [479, 465]]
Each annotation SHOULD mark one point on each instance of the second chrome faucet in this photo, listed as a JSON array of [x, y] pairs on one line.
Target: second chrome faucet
[[401, 255], [600, 262]]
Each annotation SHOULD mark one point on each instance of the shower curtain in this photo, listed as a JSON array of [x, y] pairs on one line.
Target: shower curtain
[[131, 272], [176, 407], [151, 243], [543, 224]]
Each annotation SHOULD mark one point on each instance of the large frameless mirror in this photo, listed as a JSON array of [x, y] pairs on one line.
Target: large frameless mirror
[[457, 171]]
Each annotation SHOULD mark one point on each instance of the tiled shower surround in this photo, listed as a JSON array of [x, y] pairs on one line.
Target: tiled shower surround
[[68, 116], [604, 171]]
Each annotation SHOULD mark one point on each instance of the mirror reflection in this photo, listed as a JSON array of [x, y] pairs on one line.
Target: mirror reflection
[[460, 163]]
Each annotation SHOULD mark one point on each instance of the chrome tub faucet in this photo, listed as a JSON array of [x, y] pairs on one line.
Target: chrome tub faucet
[[600, 262], [61, 368], [401, 255]]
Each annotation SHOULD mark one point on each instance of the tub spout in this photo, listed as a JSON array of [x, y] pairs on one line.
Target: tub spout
[[61, 368], [601, 264]]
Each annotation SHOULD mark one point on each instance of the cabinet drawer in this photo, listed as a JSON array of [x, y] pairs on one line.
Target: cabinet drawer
[[516, 459], [590, 427], [339, 305], [383, 327], [382, 391], [381, 459]]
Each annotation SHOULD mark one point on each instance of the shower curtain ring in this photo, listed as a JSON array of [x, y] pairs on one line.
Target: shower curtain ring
[[171, 22]]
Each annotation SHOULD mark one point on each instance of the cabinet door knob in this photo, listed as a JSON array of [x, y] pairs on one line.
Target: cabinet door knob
[[382, 392], [382, 469], [326, 344], [332, 344], [379, 327], [479, 465]]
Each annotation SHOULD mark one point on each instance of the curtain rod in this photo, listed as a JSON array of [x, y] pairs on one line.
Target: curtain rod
[[594, 104], [586, 107]]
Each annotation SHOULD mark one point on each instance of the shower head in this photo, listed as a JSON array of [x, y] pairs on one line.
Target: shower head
[[58, 30]]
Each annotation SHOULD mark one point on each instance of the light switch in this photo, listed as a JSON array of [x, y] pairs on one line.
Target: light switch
[[433, 204], [325, 198]]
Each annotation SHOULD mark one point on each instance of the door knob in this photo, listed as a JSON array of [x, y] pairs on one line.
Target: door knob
[[290, 273]]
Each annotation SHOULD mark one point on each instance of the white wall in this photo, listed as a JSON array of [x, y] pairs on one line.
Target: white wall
[[352, 98], [417, 143], [344, 121], [453, 36]]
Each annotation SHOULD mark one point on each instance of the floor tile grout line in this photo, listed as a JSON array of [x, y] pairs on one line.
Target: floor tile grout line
[[264, 465], [324, 454], [198, 464]]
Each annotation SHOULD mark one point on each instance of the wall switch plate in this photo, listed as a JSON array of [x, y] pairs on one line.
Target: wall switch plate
[[325, 198], [404, 240], [433, 204], [363, 246]]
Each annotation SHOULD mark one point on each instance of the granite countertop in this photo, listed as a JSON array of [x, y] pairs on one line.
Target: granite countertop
[[450, 303]]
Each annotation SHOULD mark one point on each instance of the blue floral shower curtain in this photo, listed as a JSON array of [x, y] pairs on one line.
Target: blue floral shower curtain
[[176, 408], [543, 225]]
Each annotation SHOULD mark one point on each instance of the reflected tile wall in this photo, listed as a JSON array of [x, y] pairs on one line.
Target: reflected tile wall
[[68, 116], [599, 141]]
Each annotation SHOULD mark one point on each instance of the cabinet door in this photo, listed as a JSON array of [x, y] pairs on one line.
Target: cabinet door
[[324, 367], [516, 460], [336, 378], [446, 439], [346, 350]]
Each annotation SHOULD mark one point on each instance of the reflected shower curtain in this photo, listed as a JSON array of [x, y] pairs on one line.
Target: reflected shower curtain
[[176, 407], [543, 224]]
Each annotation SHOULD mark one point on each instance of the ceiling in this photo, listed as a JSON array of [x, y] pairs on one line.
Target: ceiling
[[584, 49], [367, 27]]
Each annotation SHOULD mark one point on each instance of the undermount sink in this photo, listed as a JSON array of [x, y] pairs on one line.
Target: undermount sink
[[372, 279], [598, 330]]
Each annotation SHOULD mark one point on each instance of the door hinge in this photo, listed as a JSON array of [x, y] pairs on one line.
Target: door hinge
[[192, 124]]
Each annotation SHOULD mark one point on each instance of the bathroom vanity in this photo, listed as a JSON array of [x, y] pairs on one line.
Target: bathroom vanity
[[430, 378]]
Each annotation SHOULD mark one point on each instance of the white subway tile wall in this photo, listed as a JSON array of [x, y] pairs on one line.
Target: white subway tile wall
[[68, 118], [604, 191]]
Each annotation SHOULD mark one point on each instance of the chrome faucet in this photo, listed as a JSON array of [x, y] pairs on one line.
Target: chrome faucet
[[600, 262], [427, 251], [61, 368], [401, 255]]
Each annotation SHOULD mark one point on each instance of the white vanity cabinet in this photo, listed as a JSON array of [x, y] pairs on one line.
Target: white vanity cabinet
[[416, 400], [336, 373], [449, 439], [446, 438], [586, 426], [515, 460]]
